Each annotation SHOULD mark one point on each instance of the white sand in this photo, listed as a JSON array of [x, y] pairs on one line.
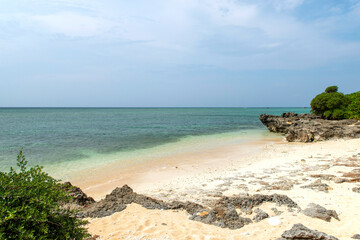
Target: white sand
[[233, 172]]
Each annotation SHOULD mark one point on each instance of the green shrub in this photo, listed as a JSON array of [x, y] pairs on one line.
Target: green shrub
[[353, 109], [29, 206], [331, 89], [330, 105], [334, 105]]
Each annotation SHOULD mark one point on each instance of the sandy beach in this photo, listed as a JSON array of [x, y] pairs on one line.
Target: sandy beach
[[323, 173]]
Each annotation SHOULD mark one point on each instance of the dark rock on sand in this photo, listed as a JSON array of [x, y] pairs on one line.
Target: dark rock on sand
[[249, 202], [356, 189], [316, 211], [260, 215], [356, 236], [318, 186], [78, 197], [223, 214], [310, 127], [299, 231], [117, 201]]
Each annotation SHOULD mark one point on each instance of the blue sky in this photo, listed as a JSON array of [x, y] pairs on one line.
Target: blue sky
[[232, 53]]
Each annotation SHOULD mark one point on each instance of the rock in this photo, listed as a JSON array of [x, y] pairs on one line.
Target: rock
[[223, 213], [260, 215], [299, 231], [78, 197], [316, 211], [249, 202], [284, 185], [310, 127], [356, 189], [326, 177], [356, 236], [276, 211], [274, 221], [339, 180], [318, 186]]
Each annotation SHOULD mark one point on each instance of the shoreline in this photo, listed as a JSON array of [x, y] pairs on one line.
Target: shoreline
[[290, 167], [157, 170]]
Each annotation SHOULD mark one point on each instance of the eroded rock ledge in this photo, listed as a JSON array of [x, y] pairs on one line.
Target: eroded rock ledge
[[310, 127]]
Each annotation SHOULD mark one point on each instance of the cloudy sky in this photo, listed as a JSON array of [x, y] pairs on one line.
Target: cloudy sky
[[119, 53]]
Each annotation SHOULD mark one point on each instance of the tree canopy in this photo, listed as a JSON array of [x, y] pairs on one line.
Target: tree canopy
[[332, 104]]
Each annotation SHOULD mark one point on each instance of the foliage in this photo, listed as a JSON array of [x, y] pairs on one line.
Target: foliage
[[29, 206], [334, 105], [353, 109], [331, 89]]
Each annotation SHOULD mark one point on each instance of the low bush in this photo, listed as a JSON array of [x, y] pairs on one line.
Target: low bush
[[29, 206]]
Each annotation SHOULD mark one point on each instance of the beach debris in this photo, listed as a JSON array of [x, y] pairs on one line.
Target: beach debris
[[356, 189], [274, 221], [318, 185], [316, 211], [260, 215], [299, 231]]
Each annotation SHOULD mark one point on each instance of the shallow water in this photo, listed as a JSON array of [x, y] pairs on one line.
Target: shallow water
[[68, 139]]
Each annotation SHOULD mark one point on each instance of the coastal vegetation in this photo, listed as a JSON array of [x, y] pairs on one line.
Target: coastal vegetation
[[30, 208], [334, 105]]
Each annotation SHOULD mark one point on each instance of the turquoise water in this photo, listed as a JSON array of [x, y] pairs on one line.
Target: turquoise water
[[63, 136]]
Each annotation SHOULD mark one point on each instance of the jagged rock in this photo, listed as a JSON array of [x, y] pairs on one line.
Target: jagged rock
[[299, 231], [310, 127], [260, 215], [356, 189], [318, 186], [356, 236], [223, 214], [249, 202], [78, 197], [316, 211]]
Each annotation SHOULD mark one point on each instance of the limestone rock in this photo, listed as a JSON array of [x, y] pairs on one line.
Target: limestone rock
[[316, 211], [310, 127], [299, 231]]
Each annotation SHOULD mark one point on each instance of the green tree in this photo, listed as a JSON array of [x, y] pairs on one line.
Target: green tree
[[29, 206], [353, 109], [331, 89], [331, 105]]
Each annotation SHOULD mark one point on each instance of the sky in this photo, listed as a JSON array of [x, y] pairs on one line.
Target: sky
[[176, 53]]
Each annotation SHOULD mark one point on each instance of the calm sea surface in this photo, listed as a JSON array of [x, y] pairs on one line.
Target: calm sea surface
[[62, 135]]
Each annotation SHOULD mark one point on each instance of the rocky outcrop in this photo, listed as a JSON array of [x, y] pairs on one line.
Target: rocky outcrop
[[310, 127], [299, 231], [223, 212]]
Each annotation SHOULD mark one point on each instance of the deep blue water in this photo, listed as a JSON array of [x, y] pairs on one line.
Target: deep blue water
[[57, 135]]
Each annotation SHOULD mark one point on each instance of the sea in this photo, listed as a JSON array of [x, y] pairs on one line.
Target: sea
[[66, 140]]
